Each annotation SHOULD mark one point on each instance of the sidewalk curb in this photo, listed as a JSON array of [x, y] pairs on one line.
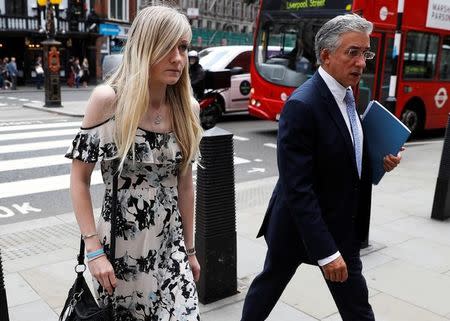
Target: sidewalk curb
[[54, 110]]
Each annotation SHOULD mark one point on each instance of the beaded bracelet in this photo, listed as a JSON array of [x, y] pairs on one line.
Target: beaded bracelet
[[94, 254], [190, 252]]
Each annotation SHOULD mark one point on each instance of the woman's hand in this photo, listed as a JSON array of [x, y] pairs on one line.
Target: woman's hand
[[102, 270], [195, 267]]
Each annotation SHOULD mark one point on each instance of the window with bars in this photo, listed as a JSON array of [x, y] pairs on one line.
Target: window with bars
[[118, 10]]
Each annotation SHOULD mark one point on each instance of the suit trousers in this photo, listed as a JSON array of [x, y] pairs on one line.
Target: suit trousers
[[283, 259]]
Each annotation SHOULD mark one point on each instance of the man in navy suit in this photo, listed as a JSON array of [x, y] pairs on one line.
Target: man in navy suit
[[320, 208]]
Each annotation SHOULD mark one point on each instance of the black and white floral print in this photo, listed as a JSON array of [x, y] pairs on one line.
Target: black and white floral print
[[154, 280]]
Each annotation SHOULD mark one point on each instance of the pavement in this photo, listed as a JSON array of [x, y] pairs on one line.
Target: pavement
[[407, 265]]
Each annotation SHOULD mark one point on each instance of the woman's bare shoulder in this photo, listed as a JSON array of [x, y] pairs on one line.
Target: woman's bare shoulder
[[100, 107]]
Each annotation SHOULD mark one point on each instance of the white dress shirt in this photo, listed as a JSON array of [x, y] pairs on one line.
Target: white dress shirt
[[338, 92]]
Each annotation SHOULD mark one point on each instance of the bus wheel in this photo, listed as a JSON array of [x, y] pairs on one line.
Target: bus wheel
[[413, 119]]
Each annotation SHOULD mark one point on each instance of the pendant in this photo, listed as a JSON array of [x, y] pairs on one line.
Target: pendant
[[157, 120]]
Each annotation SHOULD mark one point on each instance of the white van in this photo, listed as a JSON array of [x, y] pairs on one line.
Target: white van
[[237, 59]]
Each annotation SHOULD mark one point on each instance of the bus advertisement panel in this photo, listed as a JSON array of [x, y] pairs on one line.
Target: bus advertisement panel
[[423, 81]]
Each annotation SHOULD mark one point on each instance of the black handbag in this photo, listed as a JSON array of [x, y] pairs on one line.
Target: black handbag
[[80, 304]]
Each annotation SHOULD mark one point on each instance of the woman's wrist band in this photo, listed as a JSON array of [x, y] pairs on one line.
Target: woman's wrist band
[[96, 257], [190, 252], [94, 254], [86, 236]]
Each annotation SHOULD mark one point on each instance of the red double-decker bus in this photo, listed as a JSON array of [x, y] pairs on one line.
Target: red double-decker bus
[[422, 84]]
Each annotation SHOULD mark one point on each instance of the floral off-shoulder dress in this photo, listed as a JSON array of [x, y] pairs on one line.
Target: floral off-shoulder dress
[[154, 279]]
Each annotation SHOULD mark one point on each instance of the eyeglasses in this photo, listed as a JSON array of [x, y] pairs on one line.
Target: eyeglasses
[[356, 53]]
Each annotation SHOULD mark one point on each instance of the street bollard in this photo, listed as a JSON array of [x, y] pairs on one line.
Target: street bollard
[[215, 233], [441, 203], [3, 302]]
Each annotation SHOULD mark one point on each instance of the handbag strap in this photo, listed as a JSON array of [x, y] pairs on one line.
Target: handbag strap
[[112, 251]]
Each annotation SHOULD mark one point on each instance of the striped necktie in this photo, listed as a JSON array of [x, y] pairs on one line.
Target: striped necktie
[[357, 141]]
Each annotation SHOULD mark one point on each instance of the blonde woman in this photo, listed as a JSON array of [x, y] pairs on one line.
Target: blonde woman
[[146, 121]]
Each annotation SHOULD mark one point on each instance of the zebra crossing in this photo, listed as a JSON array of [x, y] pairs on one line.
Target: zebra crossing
[[33, 168]]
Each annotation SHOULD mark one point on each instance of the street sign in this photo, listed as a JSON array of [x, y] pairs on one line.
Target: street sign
[[109, 29]]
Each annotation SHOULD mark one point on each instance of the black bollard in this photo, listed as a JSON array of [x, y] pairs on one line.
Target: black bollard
[[3, 302], [215, 233], [441, 203]]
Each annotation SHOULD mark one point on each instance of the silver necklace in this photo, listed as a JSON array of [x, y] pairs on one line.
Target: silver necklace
[[158, 119]]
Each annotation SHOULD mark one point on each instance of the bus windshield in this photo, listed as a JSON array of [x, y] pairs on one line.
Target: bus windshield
[[296, 60]]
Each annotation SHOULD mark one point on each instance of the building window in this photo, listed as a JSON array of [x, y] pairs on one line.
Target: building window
[[208, 24], [118, 10], [16, 7]]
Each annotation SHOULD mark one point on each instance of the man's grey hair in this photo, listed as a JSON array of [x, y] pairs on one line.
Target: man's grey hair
[[329, 35]]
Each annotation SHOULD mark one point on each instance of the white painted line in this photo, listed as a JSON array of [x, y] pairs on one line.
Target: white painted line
[[1, 105], [243, 139], [40, 126], [12, 98], [35, 146], [258, 160], [41, 185], [424, 142], [33, 162], [47, 133], [24, 99], [238, 160], [271, 145], [37, 102]]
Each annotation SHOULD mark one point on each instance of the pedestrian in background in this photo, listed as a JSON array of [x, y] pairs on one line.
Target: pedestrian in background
[[78, 72], [320, 208], [144, 123], [39, 72], [196, 74], [12, 72], [85, 72], [3, 74]]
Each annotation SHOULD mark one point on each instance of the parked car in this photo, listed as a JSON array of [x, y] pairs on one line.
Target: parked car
[[110, 63], [237, 60]]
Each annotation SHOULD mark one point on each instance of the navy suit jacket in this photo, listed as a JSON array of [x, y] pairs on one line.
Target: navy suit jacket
[[318, 190]]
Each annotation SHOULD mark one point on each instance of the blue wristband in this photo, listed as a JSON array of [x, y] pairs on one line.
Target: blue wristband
[[98, 252]]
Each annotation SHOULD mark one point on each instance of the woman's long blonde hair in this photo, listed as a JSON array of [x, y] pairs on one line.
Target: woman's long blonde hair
[[154, 32]]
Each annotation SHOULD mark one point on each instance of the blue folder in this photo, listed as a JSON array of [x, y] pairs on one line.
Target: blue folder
[[384, 134]]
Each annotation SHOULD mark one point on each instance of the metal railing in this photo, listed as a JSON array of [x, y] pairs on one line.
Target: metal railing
[[21, 23]]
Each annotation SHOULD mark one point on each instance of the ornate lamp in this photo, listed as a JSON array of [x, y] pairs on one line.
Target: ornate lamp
[[51, 57]]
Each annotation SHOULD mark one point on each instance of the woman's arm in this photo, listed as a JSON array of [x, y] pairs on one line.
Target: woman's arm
[[186, 206], [80, 181]]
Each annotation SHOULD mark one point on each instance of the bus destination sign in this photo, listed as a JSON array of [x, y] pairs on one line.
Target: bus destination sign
[[298, 5]]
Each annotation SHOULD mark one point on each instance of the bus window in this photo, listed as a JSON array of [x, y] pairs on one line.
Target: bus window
[[367, 83], [295, 60], [387, 69], [444, 68], [420, 55]]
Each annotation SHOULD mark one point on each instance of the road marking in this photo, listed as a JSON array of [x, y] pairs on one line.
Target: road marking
[[1, 105], [35, 146], [256, 170], [24, 99], [40, 126], [257, 160], [47, 133], [424, 142], [271, 145], [33, 162], [37, 102], [243, 139], [12, 98], [41, 185]]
